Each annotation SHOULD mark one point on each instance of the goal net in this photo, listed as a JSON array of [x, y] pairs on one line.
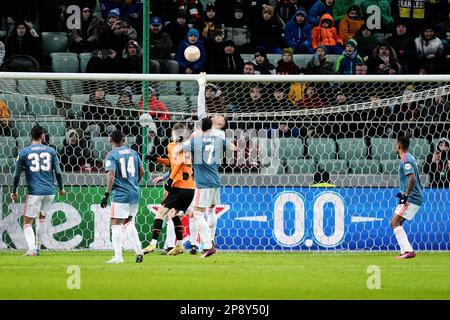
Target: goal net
[[315, 166]]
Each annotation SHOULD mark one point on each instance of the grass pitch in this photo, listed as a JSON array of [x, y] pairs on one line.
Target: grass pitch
[[225, 276]]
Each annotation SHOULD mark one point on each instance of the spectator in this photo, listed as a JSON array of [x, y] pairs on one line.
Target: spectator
[[125, 114], [96, 112], [351, 23], [326, 35], [254, 100], [266, 31], [297, 33], [385, 12], [157, 109], [131, 60], [346, 63], [192, 39], [262, 65], [318, 9], [155, 143], [209, 23], [22, 42], [249, 68], [384, 61], [430, 50], [107, 5], [285, 9], [118, 32], [297, 90], [443, 31], [361, 68], [341, 9], [102, 61], [5, 117], [231, 61], [215, 52], [403, 45], [367, 42], [280, 99], [437, 165], [319, 63], [238, 30], [75, 155], [214, 101], [160, 48], [286, 65], [414, 13], [178, 29], [132, 13], [311, 99], [2, 53], [86, 39]]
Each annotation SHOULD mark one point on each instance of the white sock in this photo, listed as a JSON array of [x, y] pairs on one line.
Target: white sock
[[402, 240], [212, 222], [193, 230], [116, 231], [203, 229], [170, 234], [153, 242], [40, 231], [29, 237], [180, 243], [132, 233], [124, 236]]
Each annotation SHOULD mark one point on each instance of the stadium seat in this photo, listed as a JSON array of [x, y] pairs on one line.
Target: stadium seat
[[8, 148], [42, 105], [136, 98], [65, 62], [22, 142], [55, 126], [301, 60], [274, 58], [100, 147], [23, 126], [84, 59], [54, 42], [57, 141], [389, 166], [192, 102], [165, 88], [16, 103], [32, 86], [175, 103], [77, 103], [113, 98], [301, 166], [383, 149], [189, 88], [291, 148], [364, 166], [351, 149], [247, 56], [334, 166], [419, 148], [7, 165], [321, 148], [71, 87]]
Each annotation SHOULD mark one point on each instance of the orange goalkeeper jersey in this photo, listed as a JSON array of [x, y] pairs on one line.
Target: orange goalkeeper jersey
[[180, 168]]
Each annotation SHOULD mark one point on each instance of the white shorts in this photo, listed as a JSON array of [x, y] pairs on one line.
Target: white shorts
[[36, 204], [124, 210], [407, 211], [205, 198]]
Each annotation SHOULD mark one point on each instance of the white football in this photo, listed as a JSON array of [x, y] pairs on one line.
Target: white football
[[192, 53]]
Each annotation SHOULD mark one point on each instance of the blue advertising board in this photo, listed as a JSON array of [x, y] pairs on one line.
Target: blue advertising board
[[274, 218]]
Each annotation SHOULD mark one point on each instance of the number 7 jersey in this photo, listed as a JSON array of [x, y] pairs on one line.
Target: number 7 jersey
[[39, 162], [125, 162]]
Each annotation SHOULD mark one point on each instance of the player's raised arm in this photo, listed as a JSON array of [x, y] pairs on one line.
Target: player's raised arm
[[201, 102], [18, 170]]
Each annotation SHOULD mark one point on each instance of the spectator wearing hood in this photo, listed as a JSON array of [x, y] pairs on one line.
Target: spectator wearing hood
[[286, 65], [131, 59], [318, 9], [297, 33], [384, 61], [238, 30], [262, 64], [22, 42], [404, 46], [86, 39], [192, 39], [325, 34], [266, 31], [231, 60], [177, 29], [160, 49], [340, 9], [346, 63], [350, 24], [319, 63]]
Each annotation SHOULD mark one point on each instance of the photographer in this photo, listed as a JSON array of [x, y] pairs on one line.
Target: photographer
[[437, 165]]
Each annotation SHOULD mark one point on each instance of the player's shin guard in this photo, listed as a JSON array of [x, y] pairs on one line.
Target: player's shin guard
[[29, 237], [402, 240], [203, 229], [212, 222], [40, 231], [193, 230], [132, 233], [116, 231], [178, 229]]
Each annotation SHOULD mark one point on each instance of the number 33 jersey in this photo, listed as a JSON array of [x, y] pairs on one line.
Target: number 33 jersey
[[125, 162], [39, 162]]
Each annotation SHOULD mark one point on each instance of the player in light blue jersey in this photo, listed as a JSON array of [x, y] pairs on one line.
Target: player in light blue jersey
[[207, 150], [124, 171], [410, 196], [39, 162]]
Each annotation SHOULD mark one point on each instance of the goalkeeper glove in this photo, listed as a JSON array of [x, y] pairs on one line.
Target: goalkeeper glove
[[104, 202], [152, 156], [168, 185], [403, 198]]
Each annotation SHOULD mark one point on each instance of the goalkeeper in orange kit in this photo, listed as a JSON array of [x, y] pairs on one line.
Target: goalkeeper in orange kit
[[180, 189]]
